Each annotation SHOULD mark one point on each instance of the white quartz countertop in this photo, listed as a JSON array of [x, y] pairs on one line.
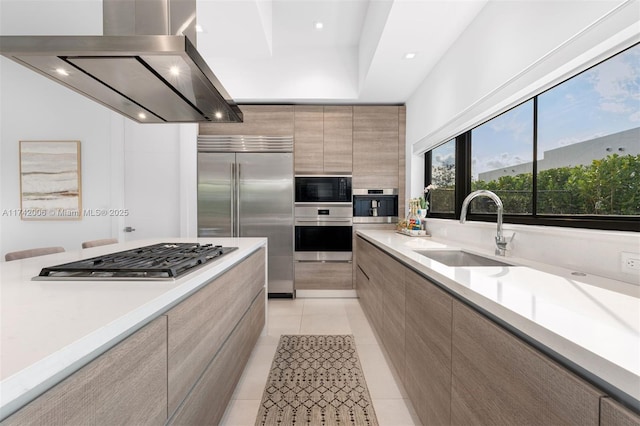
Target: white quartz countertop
[[48, 329], [593, 322]]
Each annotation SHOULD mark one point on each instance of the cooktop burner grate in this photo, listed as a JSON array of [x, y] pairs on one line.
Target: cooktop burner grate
[[157, 261]]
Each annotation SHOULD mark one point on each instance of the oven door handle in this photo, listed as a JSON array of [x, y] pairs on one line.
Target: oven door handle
[[324, 220]]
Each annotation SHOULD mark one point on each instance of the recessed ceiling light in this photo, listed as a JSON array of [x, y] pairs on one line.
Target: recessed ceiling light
[[410, 55], [62, 71], [199, 28], [218, 115], [142, 116], [318, 25], [174, 70]]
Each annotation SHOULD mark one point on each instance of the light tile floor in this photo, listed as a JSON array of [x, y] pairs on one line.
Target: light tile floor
[[321, 316]]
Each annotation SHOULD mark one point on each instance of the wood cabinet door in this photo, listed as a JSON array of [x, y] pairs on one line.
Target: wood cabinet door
[[338, 139], [362, 286], [393, 312], [497, 379], [211, 394], [614, 414], [375, 147], [199, 326], [127, 385], [428, 349], [367, 264], [376, 281], [308, 139], [259, 120]]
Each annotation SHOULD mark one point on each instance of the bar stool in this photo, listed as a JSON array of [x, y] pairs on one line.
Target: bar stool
[[23, 254], [102, 242]]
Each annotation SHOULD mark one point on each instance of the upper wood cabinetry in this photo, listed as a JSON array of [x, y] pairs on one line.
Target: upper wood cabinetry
[[338, 139], [402, 160], [375, 147], [308, 139], [259, 120], [498, 379], [323, 139]]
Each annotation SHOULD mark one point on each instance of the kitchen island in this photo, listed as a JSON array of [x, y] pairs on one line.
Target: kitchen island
[[518, 343], [54, 330]]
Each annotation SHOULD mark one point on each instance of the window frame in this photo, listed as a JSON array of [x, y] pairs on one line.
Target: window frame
[[463, 183]]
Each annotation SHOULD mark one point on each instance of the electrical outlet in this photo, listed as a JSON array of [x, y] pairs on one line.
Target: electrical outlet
[[630, 262]]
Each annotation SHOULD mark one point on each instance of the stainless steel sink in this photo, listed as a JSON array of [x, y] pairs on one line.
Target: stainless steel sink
[[460, 258]]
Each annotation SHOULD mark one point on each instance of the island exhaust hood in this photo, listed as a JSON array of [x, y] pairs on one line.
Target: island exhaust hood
[[138, 68]]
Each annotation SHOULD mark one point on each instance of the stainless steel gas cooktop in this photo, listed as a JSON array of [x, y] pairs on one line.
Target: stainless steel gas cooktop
[[164, 261]]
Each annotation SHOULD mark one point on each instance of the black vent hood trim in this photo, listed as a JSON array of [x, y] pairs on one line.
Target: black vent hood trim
[[131, 74]]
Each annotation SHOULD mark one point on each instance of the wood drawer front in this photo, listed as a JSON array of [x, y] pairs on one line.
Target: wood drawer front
[[208, 400], [500, 380], [614, 414], [259, 120], [199, 325], [393, 312], [428, 349], [126, 385], [323, 276]]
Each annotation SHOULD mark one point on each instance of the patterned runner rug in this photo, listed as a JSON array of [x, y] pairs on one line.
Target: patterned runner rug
[[316, 380]]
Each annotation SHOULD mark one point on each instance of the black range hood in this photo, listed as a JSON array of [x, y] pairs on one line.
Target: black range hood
[[148, 78]]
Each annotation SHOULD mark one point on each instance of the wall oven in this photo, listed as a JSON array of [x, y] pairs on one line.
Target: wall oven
[[323, 233], [323, 189]]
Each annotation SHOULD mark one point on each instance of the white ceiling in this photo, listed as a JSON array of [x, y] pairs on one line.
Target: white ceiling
[[269, 51]]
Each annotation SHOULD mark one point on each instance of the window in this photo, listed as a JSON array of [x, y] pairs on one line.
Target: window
[[502, 161], [443, 176], [569, 156], [589, 141]]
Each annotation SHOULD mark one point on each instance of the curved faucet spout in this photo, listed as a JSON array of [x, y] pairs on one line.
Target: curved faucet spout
[[501, 242]]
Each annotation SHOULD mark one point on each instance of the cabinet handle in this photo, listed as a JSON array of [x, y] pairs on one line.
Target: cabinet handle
[[363, 272]]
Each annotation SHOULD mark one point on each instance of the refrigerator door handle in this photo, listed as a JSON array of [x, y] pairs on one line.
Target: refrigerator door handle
[[231, 198], [238, 195]]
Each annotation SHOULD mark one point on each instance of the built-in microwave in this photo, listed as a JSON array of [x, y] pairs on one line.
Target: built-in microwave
[[323, 189]]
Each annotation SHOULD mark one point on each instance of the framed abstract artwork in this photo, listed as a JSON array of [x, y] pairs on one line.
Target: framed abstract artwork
[[50, 180]]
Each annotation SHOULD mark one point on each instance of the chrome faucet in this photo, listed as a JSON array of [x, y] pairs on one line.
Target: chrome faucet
[[501, 241]]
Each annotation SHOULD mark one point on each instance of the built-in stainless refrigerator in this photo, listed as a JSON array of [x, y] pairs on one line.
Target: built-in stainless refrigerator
[[249, 194]]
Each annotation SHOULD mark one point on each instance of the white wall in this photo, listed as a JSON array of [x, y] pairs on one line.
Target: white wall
[[34, 108], [512, 51]]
